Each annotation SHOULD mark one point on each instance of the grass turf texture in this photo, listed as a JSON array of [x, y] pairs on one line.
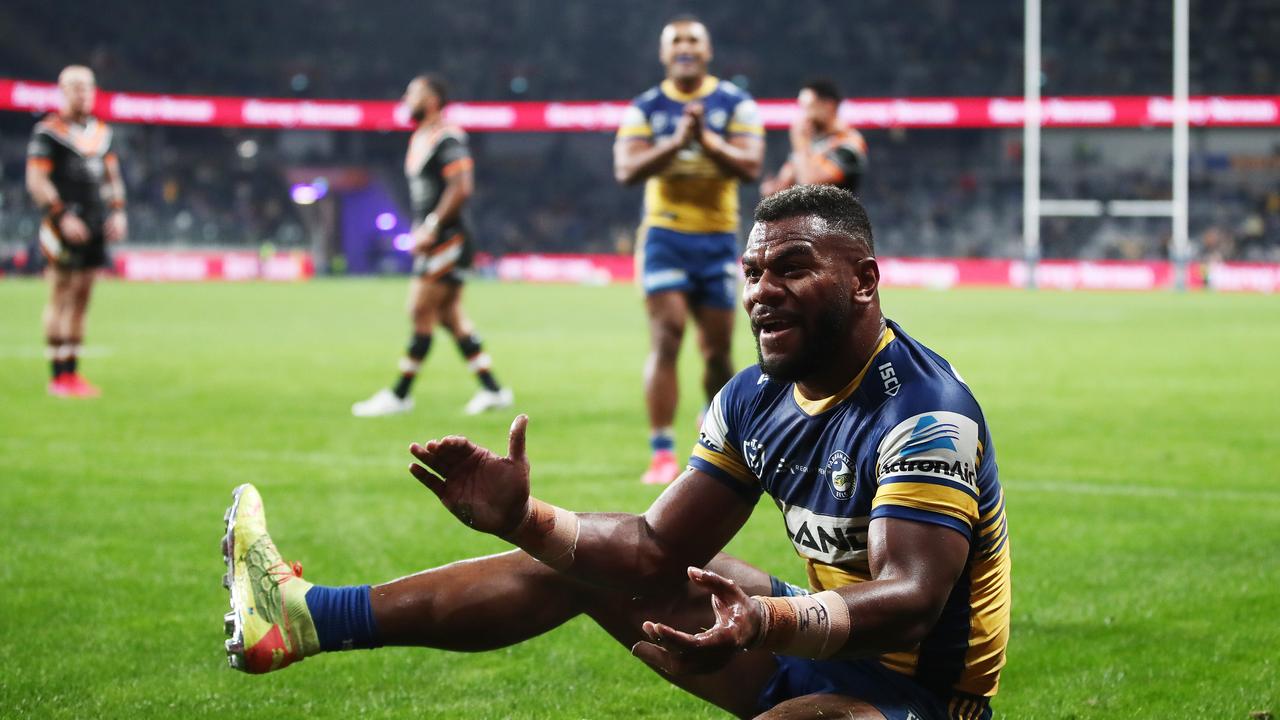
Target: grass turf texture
[[1138, 439]]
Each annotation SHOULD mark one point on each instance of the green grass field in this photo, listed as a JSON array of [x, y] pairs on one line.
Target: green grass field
[[1138, 437]]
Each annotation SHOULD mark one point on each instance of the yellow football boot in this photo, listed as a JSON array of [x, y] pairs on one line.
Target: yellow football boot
[[269, 626]]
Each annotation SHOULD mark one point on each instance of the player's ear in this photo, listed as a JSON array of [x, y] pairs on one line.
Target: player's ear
[[866, 280]]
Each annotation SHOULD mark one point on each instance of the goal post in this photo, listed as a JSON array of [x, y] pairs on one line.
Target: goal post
[[1034, 207]]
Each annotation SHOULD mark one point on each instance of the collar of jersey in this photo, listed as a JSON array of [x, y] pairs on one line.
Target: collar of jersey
[[709, 84], [817, 407]]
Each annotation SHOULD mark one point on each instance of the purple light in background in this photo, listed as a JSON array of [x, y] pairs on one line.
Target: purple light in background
[[403, 242], [385, 221], [305, 194]]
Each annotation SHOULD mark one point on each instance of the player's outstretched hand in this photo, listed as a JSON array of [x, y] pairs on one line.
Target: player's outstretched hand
[[679, 653], [486, 492]]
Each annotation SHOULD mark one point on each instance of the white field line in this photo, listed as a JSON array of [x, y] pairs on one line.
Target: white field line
[[29, 352]]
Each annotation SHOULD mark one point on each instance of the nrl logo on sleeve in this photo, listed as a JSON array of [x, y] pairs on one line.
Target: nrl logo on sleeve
[[752, 450], [844, 477]]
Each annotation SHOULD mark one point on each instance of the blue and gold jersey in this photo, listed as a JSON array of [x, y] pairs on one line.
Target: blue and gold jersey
[[692, 194], [905, 439]]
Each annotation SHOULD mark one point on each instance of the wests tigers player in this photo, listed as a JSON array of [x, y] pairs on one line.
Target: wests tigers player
[[438, 166], [73, 175]]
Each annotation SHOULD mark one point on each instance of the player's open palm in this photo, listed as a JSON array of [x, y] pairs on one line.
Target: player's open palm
[[485, 491], [680, 653]]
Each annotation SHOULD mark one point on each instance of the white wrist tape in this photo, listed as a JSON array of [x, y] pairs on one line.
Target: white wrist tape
[[548, 533], [811, 626]]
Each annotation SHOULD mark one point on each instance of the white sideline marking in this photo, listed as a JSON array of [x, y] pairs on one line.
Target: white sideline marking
[[37, 352]]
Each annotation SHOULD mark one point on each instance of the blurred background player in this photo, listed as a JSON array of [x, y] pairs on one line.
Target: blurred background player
[[73, 175], [823, 150], [439, 168], [692, 139]]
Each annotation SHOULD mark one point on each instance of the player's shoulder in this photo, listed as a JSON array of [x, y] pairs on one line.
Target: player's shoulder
[[453, 132], [730, 91], [750, 387], [646, 99], [913, 379], [853, 140], [51, 124]]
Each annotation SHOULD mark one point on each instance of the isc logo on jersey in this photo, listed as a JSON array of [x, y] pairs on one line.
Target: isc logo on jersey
[[940, 444]]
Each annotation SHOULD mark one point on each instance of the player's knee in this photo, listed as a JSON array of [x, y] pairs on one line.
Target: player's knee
[[423, 315], [665, 341], [717, 358]]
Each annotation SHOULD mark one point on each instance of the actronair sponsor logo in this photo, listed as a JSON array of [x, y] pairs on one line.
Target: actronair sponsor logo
[[940, 444], [827, 539], [957, 469], [930, 434]]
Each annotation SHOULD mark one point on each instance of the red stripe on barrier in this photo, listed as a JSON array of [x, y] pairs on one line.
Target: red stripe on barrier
[[995, 112]]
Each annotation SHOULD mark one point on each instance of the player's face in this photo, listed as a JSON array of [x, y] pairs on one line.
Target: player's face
[[797, 294], [820, 113], [78, 92], [685, 50], [419, 99]]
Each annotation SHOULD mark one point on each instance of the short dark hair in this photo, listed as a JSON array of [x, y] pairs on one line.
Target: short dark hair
[[685, 18], [437, 85], [824, 88], [838, 207]]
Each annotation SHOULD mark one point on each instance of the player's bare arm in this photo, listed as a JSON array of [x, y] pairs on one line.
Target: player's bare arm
[[636, 159], [686, 526], [45, 195], [914, 568], [785, 178], [458, 188], [117, 224], [741, 156]]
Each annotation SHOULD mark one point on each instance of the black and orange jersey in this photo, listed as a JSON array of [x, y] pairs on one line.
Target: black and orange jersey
[[75, 156], [841, 157], [435, 154], [905, 440]]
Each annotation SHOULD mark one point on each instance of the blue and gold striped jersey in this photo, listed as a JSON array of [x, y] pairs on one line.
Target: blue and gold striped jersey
[[692, 194], [905, 439]]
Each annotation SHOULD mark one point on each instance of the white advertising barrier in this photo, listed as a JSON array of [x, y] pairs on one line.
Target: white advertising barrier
[[205, 265]]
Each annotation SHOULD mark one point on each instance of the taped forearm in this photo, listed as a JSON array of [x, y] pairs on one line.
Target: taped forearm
[[812, 626], [548, 533]]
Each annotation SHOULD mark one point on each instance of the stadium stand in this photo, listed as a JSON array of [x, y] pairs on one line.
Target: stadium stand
[[932, 193]]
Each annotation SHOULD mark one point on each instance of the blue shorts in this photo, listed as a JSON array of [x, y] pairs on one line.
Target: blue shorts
[[895, 695], [704, 266]]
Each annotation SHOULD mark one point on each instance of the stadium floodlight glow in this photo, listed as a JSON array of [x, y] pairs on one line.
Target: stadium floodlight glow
[[304, 194], [403, 242], [385, 221]]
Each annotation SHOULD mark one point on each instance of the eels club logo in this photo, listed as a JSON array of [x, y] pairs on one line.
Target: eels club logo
[[843, 476]]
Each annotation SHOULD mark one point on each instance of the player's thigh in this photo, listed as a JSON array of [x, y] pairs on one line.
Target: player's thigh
[[664, 260], [738, 686], [822, 705], [452, 314], [715, 329], [426, 297], [803, 687], [81, 285], [668, 311], [60, 283]]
